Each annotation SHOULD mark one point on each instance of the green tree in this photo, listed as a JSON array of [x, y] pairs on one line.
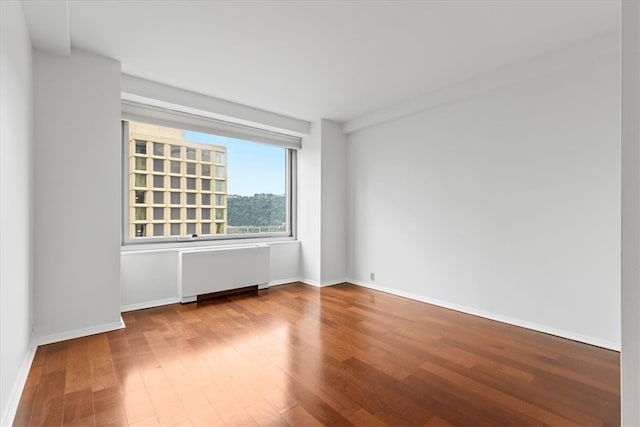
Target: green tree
[[258, 210]]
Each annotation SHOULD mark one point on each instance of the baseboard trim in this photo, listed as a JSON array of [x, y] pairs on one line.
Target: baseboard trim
[[285, 281], [10, 410], [78, 333], [149, 304], [323, 284], [493, 316]]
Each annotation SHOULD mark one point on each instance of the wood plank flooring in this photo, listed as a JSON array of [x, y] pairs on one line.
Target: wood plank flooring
[[301, 356]]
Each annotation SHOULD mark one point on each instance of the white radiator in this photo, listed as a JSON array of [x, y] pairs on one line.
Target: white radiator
[[203, 271]]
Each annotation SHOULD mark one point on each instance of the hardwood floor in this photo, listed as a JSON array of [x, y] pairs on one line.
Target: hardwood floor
[[301, 356]]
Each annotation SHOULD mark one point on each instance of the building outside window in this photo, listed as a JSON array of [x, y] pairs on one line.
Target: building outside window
[[161, 200], [182, 183]]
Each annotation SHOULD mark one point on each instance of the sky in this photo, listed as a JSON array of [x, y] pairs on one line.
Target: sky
[[251, 167]]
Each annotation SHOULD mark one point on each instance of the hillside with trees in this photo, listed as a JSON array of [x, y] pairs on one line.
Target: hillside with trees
[[259, 210]]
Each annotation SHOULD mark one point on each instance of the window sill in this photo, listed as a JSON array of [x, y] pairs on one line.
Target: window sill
[[194, 244]]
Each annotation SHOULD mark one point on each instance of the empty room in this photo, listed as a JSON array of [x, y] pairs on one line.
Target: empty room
[[307, 213]]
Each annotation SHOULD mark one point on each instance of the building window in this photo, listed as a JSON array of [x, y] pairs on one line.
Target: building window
[[158, 214], [141, 147], [175, 182], [158, 198], [175, 167], [158, 229], [141, 164], [140, 196], [218, 187], [158, 181], [158, 165], [175, 198], [175, 229]]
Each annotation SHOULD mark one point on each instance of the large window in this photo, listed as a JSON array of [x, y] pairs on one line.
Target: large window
[[182, 184]]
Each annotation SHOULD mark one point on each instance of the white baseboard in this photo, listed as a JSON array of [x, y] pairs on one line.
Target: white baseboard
[[493, 316], [285, 281], [10, 410], [149, 304], [78, 333], [324, 283]]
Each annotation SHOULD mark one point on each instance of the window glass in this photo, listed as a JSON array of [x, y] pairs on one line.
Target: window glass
[[191, 228], [141, 163], [141, 180], [175, 151], [140, 196], [219, 157], [158, 229], [158, 198], [175, 182], [158, 149], [175, 166], [229, 186], [158, 181], [141, 147], [175, 229], [158, 214], [175, 198], [141, 214]]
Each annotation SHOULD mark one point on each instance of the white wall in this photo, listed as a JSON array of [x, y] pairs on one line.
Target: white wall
[[505, 204], [333, 203], [16, 205], [150, 277], [630, 357], [321, 204], [77, 220], [309, 205]]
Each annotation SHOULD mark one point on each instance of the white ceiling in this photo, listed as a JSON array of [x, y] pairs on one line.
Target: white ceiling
[[328, 59]]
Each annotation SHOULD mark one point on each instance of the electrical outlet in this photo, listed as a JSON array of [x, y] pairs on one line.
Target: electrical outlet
[[372, 276]]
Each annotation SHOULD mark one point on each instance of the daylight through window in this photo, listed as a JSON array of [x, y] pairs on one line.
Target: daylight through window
[[182, 184]]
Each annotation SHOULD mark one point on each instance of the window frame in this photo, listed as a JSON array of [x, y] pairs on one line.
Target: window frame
[[185, 240]]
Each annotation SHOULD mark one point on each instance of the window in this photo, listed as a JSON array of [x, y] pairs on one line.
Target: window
[[158, 165], [175, 198], [175, 167], [204, 184]]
